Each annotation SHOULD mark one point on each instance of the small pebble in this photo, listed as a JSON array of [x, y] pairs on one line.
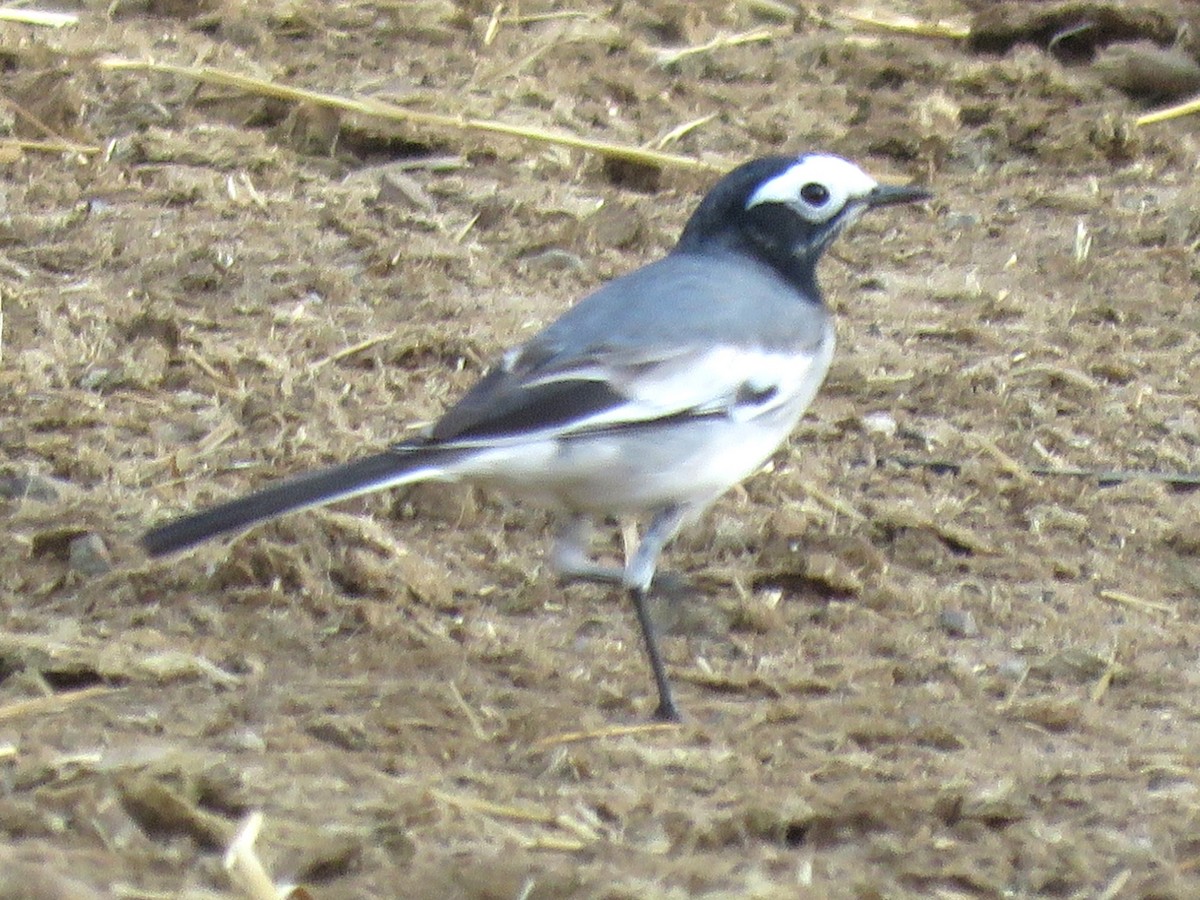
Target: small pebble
[[401, 189], [962, 220], [958, 623], [87, 555], [1014, 668], [881, 423], [247, 740], [553, 260]]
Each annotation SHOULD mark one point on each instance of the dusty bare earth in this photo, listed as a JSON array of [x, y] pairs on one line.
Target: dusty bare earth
[[924, 662]]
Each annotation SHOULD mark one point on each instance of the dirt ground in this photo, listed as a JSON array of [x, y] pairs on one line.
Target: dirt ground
[[947, 646]]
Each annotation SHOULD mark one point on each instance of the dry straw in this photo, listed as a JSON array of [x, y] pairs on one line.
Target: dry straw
[[51, 703], [369, 106], [247, 871], [1186, 108], [37, 17], [946, 30]]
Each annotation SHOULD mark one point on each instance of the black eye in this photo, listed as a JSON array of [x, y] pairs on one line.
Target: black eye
[[814, 194]]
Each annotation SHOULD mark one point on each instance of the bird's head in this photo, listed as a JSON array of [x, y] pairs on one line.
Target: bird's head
[[784, 210]]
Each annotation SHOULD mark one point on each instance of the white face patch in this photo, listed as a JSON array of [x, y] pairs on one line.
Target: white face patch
[[800, 187]]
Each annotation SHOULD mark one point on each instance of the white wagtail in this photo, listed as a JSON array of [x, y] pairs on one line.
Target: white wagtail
[[650, 398]]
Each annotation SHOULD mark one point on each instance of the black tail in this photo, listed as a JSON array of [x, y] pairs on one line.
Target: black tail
[[371, 473]]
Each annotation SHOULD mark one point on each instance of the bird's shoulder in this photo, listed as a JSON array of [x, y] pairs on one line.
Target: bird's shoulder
[[682, 300]]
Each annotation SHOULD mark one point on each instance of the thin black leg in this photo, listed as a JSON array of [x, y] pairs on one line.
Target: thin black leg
[[667, 711], [639, 575]]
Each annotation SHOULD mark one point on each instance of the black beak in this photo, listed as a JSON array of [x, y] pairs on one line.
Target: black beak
[[887, 194]]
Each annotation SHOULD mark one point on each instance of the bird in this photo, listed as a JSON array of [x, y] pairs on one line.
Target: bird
[[647, 399]]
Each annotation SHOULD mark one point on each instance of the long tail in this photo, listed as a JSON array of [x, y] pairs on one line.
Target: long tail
[[371, 473]]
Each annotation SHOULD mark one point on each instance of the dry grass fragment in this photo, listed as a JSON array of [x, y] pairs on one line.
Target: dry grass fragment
[[247, 871], [353, 349], [1007, 464], [945, 29], [40, 706], [1135, 602], [1104, 682], [1063, 375], [38, 17], [51, 141], [533, 18], [669, 56], [580, 833], [495, 810], [369, 106], [472, 718], [834, 504], [575, 737], [1187, 108], [1116, 887], [679, 131], [16, 145]]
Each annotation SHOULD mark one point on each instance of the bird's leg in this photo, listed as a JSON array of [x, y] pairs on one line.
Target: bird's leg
[[570, 557], [639, 573], [667, 711], [571, 561]]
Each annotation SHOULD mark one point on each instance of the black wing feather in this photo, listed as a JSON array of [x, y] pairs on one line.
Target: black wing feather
[[493, 410]]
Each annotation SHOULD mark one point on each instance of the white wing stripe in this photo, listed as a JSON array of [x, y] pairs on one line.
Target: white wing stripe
[[743, 383], [712, 381]]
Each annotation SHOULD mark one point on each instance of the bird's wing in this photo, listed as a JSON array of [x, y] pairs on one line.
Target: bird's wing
[[685, 336], [614, 389]]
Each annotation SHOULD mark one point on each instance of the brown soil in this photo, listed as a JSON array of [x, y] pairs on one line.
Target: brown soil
[[920, 666]]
